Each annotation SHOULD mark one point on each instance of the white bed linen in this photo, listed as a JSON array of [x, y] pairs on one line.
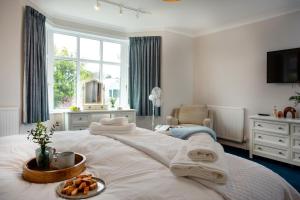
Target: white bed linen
[[129, 173], [246, 180]]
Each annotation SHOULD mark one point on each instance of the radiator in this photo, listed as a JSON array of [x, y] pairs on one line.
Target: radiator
[[9, 121], [228, 122]]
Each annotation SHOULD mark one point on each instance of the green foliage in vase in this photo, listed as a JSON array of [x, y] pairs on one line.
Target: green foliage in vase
[[295, 98], [41, 135]]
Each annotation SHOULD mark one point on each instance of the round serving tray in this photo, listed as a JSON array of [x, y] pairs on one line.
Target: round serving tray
[[101, 187], [33, 174]]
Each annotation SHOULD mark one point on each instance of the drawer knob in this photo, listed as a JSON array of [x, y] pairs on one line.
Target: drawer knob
[[280, 140], [80, 118], [259, 125], [260, 137], [280, 128], [259, 148], [280, 153]]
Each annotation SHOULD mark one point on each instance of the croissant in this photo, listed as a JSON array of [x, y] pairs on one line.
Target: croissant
[[82, 183]]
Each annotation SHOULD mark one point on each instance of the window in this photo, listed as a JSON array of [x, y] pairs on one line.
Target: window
[[64, 46], [111, 52], [89, 49], [76, 58], [111, 80]]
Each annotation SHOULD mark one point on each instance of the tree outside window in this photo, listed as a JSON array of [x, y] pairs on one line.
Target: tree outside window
[[65, 80]]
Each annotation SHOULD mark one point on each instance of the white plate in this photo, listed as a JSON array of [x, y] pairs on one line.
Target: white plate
[[101, 187]]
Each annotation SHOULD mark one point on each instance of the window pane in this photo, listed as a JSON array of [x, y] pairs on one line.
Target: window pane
[[64, 83], [89, 71], [89, 49], [111, 80], [64, 45], [111, 52]]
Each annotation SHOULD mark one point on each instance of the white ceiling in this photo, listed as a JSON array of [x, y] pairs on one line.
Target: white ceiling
[[189, 17]]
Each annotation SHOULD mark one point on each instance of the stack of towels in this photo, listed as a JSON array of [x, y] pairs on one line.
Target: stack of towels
[[201, 157], [118, 125]]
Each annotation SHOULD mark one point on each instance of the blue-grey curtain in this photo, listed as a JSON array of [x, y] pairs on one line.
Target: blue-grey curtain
[[35, 91], [144, 72]]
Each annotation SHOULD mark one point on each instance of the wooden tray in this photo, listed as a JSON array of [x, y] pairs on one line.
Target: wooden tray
[[33, 174]]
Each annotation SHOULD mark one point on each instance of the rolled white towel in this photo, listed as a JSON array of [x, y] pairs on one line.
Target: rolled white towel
[[98, 129], [182, 165], [114, 121], [202, 147]]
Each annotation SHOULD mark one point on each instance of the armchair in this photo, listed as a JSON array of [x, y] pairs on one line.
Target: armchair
[[190, 116]]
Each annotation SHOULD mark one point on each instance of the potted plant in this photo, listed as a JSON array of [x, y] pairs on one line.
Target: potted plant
[[42, 136], [295, 98], [74, 108], [113, 101]]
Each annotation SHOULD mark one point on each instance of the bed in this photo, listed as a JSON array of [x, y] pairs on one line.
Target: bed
[[134, 167]]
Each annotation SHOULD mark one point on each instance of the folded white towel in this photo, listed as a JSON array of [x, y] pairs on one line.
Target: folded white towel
[[114, 121], [182, 165], [202, 147], [98, 129]]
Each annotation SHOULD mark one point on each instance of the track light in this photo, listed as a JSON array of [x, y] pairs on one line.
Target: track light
[[97, 6], [121, 7]]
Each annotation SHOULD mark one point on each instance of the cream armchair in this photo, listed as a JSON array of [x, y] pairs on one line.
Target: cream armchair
[[191, 115]]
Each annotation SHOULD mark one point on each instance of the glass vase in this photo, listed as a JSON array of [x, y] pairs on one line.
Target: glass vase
[[44, 156]]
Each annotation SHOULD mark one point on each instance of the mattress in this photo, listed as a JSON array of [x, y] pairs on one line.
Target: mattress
[[129, 172]]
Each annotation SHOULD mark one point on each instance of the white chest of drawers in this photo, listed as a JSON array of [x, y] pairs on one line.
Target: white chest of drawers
[[277, 139], [81, 120]]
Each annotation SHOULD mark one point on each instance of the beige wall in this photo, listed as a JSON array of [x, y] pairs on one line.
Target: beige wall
[[11, 13], [176, 73], [230, 67]]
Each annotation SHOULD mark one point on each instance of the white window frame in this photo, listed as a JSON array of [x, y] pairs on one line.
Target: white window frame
[[123, 101]]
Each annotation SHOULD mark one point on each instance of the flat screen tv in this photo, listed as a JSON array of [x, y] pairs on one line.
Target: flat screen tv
[[283, 66]]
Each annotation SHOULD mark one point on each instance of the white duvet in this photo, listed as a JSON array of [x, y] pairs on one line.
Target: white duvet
[[134, 172]]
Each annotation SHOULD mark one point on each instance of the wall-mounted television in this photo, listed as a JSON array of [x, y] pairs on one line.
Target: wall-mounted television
[[283, 66]]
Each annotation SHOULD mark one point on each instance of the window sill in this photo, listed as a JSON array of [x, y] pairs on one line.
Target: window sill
[[59, 111]]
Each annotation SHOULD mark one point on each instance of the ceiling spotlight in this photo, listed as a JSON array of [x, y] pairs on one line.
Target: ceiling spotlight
[[97, 6], [121, 9]]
